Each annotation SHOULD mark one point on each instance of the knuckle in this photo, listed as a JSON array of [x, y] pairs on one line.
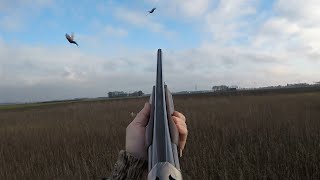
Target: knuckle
[[176, 120], [183, 117], [180, 115]]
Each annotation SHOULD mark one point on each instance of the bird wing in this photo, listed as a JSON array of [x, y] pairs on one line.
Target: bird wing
[[72, 35], [68, 36], [151, 11]]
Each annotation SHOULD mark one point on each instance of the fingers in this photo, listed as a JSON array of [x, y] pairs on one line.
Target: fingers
[[142, 117], [180, 115], [182, 129], [179, 121]]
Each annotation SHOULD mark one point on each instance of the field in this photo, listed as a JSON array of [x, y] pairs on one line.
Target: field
[[268, 136]]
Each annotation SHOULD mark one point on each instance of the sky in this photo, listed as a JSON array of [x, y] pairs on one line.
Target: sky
[[248, 43]]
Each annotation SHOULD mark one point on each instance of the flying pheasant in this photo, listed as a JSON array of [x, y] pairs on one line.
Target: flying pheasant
[[152, 10], [71, 39]]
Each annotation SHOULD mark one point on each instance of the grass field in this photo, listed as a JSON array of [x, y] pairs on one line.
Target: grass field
[[26, 105], [273, 136]]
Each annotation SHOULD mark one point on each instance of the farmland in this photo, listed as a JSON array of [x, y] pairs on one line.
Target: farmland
[[264, 136]]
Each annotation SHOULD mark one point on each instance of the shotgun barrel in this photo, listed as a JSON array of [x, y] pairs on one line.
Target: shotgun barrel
[[162, 135]]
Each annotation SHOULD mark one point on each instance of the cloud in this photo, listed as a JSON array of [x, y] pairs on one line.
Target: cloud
[[35, 67], [279, 70], [73, 75], [289, 30], [193, 8], [292, 30], [305, 12], [114, 31], [228, 21], [47, 73]]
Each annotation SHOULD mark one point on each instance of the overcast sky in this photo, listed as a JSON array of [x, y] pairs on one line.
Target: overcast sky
[[248, 43]]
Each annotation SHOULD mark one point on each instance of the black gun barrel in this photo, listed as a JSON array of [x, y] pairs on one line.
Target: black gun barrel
[[162, 135]]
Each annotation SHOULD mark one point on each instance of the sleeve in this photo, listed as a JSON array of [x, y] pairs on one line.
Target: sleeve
[[128, 167]]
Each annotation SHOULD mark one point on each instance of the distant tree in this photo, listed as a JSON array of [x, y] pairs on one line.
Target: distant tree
[[117, 94], [136, 93], [124, 94], [220, 88], [140, 93]]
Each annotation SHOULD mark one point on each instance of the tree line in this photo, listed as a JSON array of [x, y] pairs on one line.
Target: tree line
[[115, 94]]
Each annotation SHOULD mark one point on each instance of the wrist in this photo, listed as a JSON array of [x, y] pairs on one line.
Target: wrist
[[129, 166]]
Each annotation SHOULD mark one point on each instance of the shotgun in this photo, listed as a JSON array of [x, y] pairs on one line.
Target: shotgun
[[162, 136]]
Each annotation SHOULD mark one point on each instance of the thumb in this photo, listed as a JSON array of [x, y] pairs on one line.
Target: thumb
[[142, 117]]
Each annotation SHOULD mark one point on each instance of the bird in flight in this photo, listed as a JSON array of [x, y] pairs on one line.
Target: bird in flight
[[152, 10], [71, 39]]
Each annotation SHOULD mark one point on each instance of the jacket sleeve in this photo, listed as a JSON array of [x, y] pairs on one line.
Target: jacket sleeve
[[128, 167]]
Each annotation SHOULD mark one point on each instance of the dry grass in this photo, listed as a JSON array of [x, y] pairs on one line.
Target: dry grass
[[230, 137]]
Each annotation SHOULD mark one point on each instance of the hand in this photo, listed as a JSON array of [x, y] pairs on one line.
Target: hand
[[180, 121], [136, 130], [135, 133]]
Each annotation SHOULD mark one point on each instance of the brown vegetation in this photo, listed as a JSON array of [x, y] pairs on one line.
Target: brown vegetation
[[230, 137]]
